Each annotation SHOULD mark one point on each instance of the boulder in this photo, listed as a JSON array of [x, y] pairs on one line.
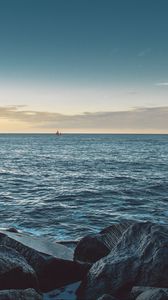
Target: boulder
[[28, 294], [15, 273], [12, 229], [56, 273], [95, 246], [34, 258], [90, 249], [139, 258], [52, 272], [153, 294], [42, 244], [35, 249], [69, 243], [107, 297], [138, 290], [67, 292]]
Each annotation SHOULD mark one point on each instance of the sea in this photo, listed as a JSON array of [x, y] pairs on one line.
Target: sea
[[71, 185]]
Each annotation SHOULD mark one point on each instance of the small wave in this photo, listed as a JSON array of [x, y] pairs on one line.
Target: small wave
[[83, 181]]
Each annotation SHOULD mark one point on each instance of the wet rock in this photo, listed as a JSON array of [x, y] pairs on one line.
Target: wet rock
[[56, 273], [110, 278], [15, 273], [12, 229], [70, 244], [34, 258], [28, 294], [140, 258], [138, 290], [153, 294], [95, 246], [35, 249], [90, 249], [67, 292], [52, 272], [107, 297]]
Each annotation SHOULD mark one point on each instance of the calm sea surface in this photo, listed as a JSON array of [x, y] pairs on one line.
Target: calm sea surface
[[72, 185]]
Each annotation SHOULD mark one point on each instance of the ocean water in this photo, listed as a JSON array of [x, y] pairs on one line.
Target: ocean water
[[72, 185]]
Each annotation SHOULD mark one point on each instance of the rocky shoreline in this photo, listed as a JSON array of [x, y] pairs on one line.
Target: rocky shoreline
[[126, 261]]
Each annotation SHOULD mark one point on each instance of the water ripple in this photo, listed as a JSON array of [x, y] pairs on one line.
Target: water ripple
[[76, 184]]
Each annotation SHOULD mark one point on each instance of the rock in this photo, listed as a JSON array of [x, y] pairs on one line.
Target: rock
[[90, 249], [138, 290], [70, 244], [57, 273], [12, 229], [95, 246], [67, 292], [153, 294], [52, 272], [34, 258], [40, 244], [140, 258], [15, 273], [107, 297], [28, 294]]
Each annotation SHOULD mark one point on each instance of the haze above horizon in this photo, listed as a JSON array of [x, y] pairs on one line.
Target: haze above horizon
[[84, 66]]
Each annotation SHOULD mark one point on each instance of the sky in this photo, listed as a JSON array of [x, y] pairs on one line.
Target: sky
[[84, 66]]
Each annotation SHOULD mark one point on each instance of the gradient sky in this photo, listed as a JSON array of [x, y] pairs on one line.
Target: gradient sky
[[84, 66]]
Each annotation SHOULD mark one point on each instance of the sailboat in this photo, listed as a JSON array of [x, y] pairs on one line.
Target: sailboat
[[58, 133]]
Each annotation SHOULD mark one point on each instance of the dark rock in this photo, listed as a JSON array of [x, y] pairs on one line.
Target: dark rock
[[56, 273], [90, 249], [34, 258], [95, 246], [12, 229], [28, 243], [107, 297], [28, 294], [15, 273], [52, 272], [140, 258], [153, 294], [137, 290]]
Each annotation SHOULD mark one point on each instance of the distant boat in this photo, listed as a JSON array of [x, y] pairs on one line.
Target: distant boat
[[58, 133]]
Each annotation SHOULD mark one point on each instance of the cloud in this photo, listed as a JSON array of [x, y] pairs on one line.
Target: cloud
[[162, 84], [136, 120], [144, 52]]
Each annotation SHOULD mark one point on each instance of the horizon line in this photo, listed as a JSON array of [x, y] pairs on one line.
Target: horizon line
[[98, 133]]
